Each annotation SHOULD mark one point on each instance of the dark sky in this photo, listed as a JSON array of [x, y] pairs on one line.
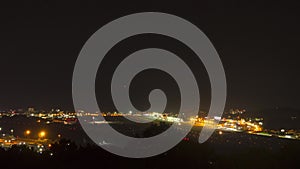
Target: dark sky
[[258, 43]]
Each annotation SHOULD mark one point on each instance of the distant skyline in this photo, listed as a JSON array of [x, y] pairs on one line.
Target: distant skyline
[[258, 44]]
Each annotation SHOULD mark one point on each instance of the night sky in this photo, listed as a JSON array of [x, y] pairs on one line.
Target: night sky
[[258, 43]]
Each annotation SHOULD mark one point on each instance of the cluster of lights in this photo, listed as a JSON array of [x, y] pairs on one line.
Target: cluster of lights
[[22, 143], [40, 149]]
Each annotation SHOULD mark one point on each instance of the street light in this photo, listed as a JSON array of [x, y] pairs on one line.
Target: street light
[[42, 134], [27, 133]]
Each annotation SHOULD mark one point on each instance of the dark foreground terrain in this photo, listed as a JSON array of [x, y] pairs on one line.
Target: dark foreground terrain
[[65, 154], [226, 150]]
